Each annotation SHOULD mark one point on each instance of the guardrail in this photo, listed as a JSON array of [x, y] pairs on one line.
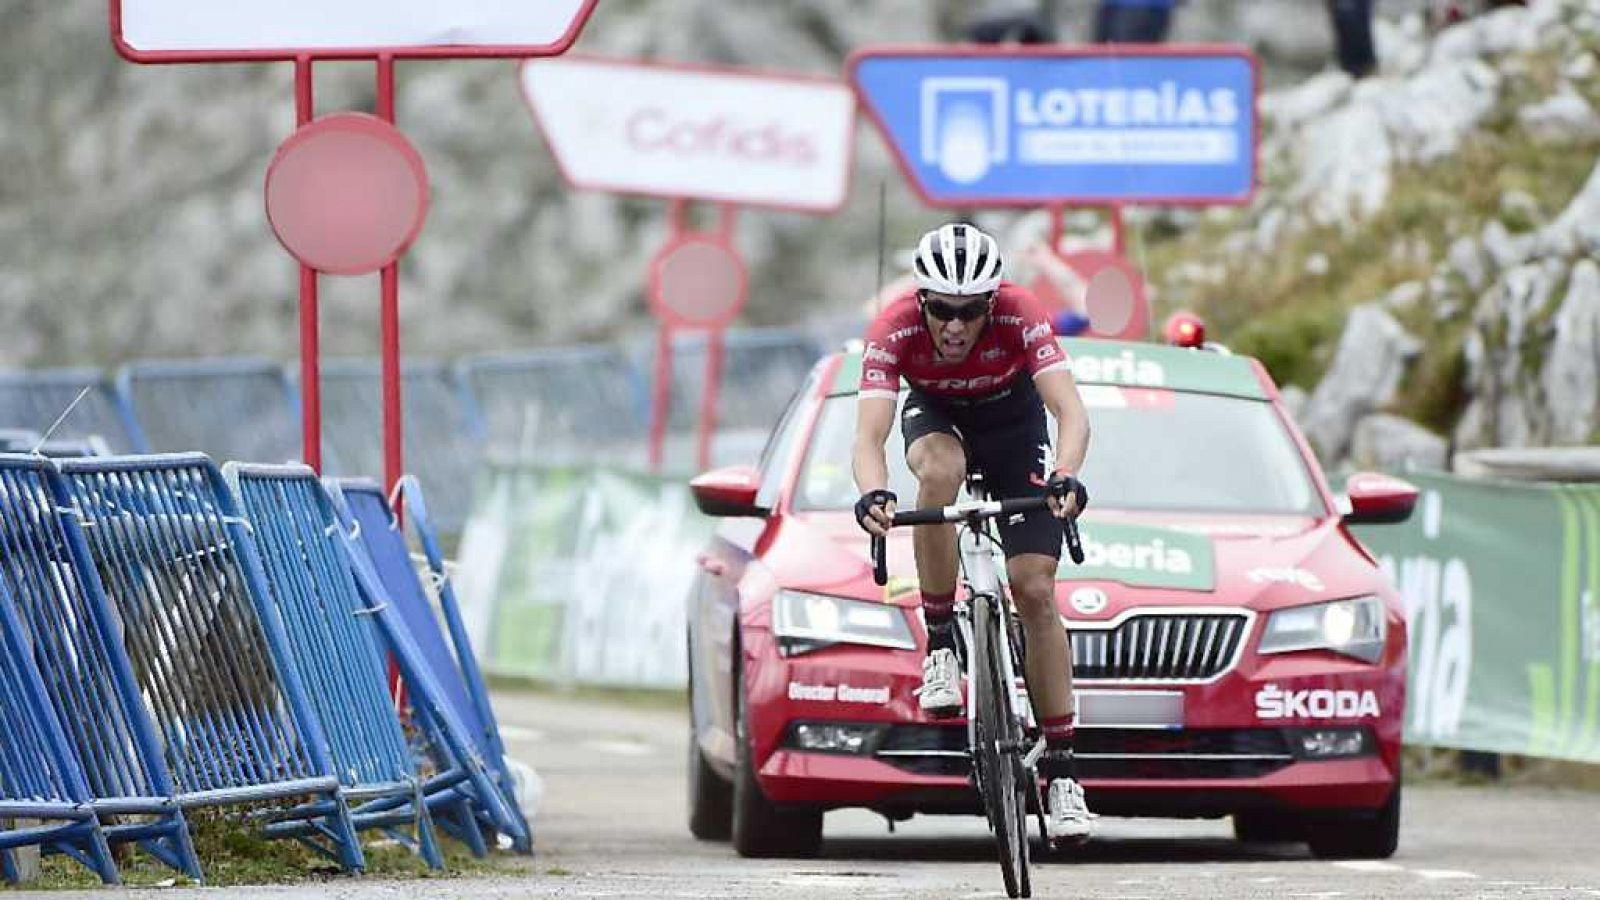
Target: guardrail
[[558, 405]]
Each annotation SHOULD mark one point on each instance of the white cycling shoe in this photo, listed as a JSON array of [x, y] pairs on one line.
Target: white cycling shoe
[[940, 694], [1067, 818]]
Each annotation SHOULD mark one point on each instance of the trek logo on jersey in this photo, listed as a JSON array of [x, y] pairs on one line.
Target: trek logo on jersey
[[903, 333], [1273, 702], [974, 384], [876, 354], [1123, 368]]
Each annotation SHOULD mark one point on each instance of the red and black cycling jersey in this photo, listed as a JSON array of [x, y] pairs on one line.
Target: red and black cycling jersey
[[1016, 338]]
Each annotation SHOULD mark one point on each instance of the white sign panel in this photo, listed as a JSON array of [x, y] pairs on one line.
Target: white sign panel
[[721, 135], [246, 26]]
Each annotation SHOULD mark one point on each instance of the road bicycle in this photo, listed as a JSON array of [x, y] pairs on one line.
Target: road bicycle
[[1003, 741]]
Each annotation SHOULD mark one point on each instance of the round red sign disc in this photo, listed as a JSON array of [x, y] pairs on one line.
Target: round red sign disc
[[1115, 296], [346, 194], [697, 282]]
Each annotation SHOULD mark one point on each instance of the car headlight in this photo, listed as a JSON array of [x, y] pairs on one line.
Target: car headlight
[[804, 621], [1354, 627]]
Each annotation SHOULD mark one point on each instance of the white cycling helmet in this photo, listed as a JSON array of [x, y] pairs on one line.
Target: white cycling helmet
[[958, 259]]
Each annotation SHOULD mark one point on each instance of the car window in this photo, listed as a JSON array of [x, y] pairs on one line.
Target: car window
[[1151, 449], [780, 447]]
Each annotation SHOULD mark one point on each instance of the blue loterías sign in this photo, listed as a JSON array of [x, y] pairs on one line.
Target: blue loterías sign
[[1027, 126]]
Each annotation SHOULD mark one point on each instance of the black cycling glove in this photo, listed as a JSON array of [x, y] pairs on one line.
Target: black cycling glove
[[1061, 484], [869, 500]]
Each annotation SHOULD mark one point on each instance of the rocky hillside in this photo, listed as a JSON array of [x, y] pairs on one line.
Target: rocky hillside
[[1424, 238], [131, 219], [1422, 258]]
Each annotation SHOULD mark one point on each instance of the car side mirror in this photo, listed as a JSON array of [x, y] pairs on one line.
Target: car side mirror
[[1377, 499], [729, 492]]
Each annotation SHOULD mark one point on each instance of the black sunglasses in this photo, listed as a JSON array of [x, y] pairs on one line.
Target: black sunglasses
[[966, 312]]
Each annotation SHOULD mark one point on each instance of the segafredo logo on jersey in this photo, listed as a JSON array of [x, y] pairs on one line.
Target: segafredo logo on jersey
[[1035, 333], [838, 693], [1122, 368], [875, 353], [1273, 702]]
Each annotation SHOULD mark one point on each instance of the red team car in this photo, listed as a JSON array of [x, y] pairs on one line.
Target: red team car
[[1236, 651]]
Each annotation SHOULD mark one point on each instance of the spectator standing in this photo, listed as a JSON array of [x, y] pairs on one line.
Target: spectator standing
[[1133, 21], [1352, 36]]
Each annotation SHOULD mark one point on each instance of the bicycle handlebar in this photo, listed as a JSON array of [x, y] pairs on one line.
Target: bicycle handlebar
[[973, 512]]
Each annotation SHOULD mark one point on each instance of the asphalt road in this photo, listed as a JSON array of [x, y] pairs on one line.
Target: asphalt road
[[612, 823]]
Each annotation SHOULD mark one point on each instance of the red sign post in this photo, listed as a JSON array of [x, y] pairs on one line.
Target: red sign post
[[697, 280], [346, 194], [725, 136]]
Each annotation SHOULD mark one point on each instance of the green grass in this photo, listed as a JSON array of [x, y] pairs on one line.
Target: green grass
[[233, 854]]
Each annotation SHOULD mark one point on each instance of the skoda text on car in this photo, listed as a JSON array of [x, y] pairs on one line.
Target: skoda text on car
[[1236, 651]]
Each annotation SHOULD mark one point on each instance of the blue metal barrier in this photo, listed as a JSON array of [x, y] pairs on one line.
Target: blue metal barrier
[[77, 639], [761, 370], [226, 408], [560, 404], [34, 400], [455, 728], [443, 440], [39, 775], [481, 716], [332, 643], [207, 646]]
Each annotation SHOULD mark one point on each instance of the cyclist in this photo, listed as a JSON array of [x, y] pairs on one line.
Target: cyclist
[[982, 364]]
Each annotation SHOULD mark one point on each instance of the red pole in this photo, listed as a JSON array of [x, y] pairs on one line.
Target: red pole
[[708, 397], [660, 395], [1119, 238], [1056, 226], [389, 337], [310, 347], [393, 457]]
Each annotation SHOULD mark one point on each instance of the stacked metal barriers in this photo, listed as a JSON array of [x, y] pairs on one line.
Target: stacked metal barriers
[[176, 638], [475, 790]]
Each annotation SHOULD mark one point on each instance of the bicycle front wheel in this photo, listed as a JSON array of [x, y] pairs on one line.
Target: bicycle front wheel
[[996, 756]]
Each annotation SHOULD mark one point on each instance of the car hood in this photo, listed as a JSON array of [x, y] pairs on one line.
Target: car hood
[[1131, 559]]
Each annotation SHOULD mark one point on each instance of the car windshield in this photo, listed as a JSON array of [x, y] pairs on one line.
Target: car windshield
[[1150, 450]]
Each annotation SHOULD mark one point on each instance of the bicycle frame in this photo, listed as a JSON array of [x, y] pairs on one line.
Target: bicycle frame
[[982, 583]]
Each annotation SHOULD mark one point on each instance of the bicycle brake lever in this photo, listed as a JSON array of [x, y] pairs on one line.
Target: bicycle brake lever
[[880, 561]]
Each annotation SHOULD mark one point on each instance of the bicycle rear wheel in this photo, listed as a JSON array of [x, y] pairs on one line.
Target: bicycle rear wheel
[[996, 756]]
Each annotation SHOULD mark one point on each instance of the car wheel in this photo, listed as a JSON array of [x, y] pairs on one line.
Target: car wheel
[[1370, 834], [761, 828], [710, 795], [1266, 827]]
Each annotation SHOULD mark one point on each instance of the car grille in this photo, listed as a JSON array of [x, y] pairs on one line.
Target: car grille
[[1105, 753], [1158, 647]]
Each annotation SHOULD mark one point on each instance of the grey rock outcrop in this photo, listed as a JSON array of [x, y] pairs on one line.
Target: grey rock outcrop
[[1394, 443], [1571, 376], [1367, 368]]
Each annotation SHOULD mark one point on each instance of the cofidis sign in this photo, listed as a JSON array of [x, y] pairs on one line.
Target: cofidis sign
[[1027, 126], [708, 133]]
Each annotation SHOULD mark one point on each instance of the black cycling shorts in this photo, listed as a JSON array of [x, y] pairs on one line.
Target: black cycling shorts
[[1007, 441]]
